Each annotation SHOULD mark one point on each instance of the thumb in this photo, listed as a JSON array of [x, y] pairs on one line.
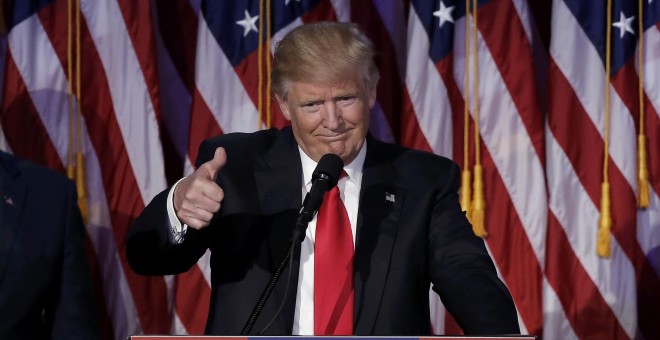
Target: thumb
[[219, 159]]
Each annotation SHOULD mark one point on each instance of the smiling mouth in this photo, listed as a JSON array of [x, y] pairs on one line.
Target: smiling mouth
[[335, 137]]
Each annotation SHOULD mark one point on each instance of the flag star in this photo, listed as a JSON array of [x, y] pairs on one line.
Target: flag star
[[624, 25], [444, 14], [248, 23]]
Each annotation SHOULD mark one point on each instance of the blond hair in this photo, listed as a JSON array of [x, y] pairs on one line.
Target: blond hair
[[323, 52]]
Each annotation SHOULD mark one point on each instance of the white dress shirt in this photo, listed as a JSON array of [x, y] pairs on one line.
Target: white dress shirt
[[349, 190]]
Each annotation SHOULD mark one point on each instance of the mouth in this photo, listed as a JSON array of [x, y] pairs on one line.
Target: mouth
[[333, 137]]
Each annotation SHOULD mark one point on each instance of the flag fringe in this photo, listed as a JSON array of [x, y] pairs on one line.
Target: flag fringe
[[642, 174], [605, 224], [478, 211]]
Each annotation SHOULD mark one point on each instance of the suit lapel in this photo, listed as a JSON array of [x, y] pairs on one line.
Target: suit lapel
[[381, 202], [12, 194], [278, 177]]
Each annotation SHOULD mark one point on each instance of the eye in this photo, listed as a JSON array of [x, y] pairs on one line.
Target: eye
[[310, 107], [347, 100]]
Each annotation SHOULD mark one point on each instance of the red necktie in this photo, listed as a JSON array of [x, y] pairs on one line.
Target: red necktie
[[333, 268]]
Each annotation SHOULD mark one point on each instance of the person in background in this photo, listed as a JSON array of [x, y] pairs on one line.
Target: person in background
[[399, 207], [45, 285]]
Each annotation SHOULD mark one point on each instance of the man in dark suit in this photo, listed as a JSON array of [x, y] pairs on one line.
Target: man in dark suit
[[243, 200], [45, 286]]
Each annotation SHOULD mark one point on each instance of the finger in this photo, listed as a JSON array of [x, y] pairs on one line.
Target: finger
[[190, 207], [194, 223], [214, 165], [202, 187], [213, 192], [196, 214]]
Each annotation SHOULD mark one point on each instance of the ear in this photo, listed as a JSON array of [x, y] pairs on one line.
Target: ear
[[372, 97], [284, 106]]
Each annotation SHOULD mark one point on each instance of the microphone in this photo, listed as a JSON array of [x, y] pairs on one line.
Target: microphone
[[324, 178]]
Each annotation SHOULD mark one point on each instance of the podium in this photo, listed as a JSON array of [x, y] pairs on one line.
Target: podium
[[440, 337]]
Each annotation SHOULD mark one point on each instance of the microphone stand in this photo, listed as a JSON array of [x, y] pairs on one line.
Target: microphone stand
[[296, 239], [324, 177]]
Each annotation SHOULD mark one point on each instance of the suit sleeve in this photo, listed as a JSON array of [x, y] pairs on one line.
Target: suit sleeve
[[72, 310], [463, 274], [148, 247]]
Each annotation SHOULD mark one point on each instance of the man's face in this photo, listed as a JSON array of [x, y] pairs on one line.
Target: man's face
[[329, 118]]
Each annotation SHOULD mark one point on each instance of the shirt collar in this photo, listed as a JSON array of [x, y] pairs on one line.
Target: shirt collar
[[353, 169]]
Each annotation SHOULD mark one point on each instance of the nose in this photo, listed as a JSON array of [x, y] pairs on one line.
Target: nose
[[331, 115]]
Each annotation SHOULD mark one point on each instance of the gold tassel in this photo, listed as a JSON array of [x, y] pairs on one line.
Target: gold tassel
[[466, 192], [478, 212], [642, 168], [81, 187], [642, 173], [605, 223]]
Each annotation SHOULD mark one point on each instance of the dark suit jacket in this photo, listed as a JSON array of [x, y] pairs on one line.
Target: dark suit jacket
[[402, 247], [45, 287]]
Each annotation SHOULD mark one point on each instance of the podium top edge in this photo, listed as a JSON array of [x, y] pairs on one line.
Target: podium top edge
[[439, 337]]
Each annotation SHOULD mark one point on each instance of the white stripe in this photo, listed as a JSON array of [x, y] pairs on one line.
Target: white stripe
[[177, 326], [195, 4], [652, 66], [521, 323], [438, 313], [555, 323], [428, 93], [220, 86], [3, 140], [43, 77], [648, 230], [648, 220], [505, 136], [204, 264], [342, 10], [526, 18], [578, 59], [132, 104], [614, 277], [279, 35]]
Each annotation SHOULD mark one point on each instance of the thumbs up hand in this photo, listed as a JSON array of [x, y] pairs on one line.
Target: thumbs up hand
[[197, 197]]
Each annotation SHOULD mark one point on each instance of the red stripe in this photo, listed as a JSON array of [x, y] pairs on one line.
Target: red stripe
[[178, 24], [621, 82], [192, 296], [445, 68], [581, 142], [504, 34], [586, 310], [411, 134], [122, 192], [652, 132], [137, 17], [105, 323], [21, 123], [138, 20], [390, 86], [451, 326], [323, 11], [202, 125], [511, 249]]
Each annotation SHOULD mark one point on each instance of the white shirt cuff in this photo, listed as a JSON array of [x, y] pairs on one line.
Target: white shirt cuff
[[177, 230]]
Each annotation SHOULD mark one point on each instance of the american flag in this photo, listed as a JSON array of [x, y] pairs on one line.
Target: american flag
[[157, 77]]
